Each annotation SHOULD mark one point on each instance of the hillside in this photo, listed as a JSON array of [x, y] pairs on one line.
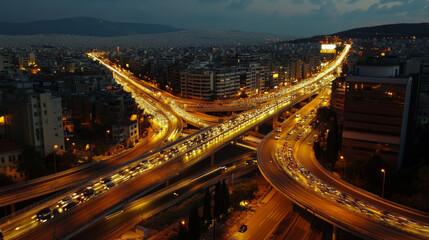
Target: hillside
[[401, 30]]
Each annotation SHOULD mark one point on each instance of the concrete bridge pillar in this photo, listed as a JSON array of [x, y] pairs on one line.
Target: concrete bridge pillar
[[12, 208], [334, 233], [212, 159], [275, 121]]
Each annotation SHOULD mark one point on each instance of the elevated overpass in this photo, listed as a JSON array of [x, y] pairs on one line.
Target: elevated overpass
[[167, 126], [290, 166], [172, 159]]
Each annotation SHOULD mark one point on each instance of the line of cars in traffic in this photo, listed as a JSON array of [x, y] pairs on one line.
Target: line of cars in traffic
[[87, 192], [123, 175], [284, 155], [188, 147], [197, 144]]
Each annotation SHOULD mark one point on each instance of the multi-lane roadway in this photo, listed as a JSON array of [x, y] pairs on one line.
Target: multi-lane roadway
[[175, 158], [151, 204], [287, 162], [167, 127]]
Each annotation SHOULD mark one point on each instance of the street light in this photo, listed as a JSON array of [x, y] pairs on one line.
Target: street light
[[384, 180], [107, 133], [55, 159]]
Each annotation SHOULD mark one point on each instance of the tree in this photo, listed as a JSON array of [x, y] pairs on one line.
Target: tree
[[218, 200], [66, 161], [324, 114], [372, 172], [31, 162], [207, 207], [316, 148], [5, 180], [340, 166], [332, 145], [194, 224], [225, 198], [183, 234]]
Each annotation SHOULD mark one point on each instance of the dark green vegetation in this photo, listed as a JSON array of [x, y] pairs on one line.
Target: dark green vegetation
[[5, 180], [203, 209], [35, 165], [327, 146], [196, 225]]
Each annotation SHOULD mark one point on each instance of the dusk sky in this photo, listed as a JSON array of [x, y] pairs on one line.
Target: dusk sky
[[286, 17]]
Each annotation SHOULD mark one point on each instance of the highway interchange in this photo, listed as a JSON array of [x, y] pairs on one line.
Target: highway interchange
[[219, 135], [287, 161], [154, 169]]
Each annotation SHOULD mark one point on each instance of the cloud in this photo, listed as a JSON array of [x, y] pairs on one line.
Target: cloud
[[317, 2], [240, 4], [211, 1], [392, 1], [310, 17]]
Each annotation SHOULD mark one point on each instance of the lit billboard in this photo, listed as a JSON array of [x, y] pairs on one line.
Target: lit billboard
[[328, 48]]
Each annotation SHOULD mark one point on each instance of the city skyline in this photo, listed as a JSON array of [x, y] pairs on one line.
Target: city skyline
[[294, 18]]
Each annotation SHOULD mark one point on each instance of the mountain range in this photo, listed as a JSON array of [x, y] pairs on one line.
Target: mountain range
[[92, 31], [83, 26], [400, 30]]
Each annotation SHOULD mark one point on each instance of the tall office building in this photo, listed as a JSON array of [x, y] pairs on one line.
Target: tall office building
[[376, 114], [209, 85], [423, 111], [197, 85], [338, 97], [35, 119], [256, 76]]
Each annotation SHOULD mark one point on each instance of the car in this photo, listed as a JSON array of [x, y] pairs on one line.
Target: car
[[65, 201], [70, 205], [44, 215], [249, 162], [367, 212], [106, 180], [243, 228], [388, 214], [279, 130], [88, 193], [109, 185], [55, 212], [277, 137]]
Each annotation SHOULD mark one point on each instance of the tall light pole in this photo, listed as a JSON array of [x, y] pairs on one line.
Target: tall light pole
[[384, 180], [55, 158], [107, 133]]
